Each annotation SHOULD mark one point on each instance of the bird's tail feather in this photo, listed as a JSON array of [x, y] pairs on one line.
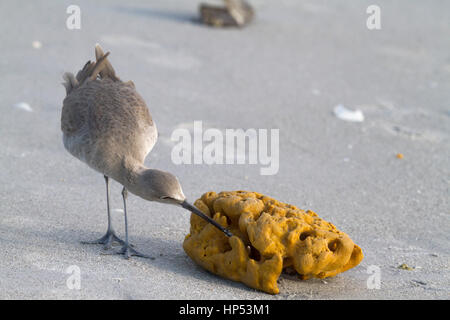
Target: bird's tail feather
[[91, 70], [70, 82], [107, 71]]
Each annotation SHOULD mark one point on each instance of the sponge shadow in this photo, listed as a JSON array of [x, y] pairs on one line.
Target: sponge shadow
[[182, 264]]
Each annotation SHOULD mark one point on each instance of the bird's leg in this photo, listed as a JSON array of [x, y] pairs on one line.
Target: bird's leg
[[127, 249], [110, 237]]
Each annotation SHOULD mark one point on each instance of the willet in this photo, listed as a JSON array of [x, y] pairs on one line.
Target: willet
[[107, 125]]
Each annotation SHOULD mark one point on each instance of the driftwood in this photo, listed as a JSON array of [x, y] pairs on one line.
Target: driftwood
[[236, 13]]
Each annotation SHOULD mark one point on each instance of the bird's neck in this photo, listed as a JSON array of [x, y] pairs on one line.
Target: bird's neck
[[129, 175]]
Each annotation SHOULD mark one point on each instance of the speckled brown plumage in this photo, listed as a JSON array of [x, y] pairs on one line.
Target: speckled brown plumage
[[105, 122], [107, 125]]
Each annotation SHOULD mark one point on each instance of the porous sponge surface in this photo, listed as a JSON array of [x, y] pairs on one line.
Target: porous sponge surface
[[268, 236]]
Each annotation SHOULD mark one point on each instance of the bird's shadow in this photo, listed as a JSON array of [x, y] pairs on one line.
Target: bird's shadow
[[169, 256], [178, 16]]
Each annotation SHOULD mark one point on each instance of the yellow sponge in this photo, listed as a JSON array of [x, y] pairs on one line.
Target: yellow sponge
[[268, 236]]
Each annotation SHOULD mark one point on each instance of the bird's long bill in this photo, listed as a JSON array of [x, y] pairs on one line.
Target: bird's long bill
[[196, 211]]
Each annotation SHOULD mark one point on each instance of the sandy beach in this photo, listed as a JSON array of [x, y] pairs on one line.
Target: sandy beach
[[384, 181]]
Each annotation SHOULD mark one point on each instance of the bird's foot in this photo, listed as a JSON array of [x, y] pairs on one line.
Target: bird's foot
[[127, 250], [107, 240]]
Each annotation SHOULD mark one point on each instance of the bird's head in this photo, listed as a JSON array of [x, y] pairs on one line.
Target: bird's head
[[164, 187], [161, 186]]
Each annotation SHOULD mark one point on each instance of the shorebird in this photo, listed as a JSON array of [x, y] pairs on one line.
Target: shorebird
[[107, 125]]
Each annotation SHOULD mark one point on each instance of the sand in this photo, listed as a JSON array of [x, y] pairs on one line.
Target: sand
[[288, 71]]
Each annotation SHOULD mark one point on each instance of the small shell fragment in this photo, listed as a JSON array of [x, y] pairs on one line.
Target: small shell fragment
[[36, 44], [348, 115], [404, 266], [24, 106]]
